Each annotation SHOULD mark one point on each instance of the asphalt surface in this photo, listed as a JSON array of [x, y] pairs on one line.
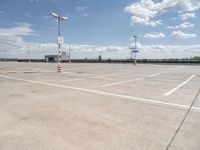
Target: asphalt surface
[[98, 107]]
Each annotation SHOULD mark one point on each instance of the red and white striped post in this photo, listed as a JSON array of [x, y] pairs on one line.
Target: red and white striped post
[[59, 68]]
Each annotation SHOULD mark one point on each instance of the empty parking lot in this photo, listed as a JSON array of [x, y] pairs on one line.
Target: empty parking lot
[[99, 106]]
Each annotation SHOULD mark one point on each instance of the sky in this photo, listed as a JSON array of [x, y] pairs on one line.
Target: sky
[[165, 28]]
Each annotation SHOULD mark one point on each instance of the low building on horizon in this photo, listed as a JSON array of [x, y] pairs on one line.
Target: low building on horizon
[[54, 58]]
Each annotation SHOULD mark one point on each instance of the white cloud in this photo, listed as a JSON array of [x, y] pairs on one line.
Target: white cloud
[[53, 1], [144, 11], [154, 35], [180, 5], [38, 50], [83, 11], [169, 51], [144, 21], [187, 15], [12, 40], [27, 15], [94, 48], [81, 8], [110, 48], [19, 30], [182, 35], [12, 37], [120, 52], [183, 25], [85, 15], [47, 17], [77, 48], [34, 1]]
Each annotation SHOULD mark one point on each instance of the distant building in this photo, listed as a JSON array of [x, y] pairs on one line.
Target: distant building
[[54, 58], [51, 58], [64, 57]]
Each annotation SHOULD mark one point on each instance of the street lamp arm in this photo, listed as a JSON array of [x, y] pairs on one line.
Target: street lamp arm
[[64, 18], [54, 15], [58, 17], [134, 36]]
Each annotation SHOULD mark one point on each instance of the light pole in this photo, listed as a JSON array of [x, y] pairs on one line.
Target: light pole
[[60, 39], [131, 49], [4, 54], [29, 59], [69, 53], [135, 49]]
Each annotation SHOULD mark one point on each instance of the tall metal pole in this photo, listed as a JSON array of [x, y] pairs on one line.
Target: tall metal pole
[[135, 62], [69, 53], [59, 47], [135, 49], [131, 54], [29, 60], [4, 54], [59, 26]]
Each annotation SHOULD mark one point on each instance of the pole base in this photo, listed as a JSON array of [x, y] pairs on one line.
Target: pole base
[[59, 69]]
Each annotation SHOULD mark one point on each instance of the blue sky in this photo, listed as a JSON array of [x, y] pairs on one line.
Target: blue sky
[[167, 27]]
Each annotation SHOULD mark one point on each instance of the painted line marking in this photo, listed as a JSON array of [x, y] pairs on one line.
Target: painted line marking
[[179, 86], [129, 98], [116, 83], [136, 79], [94, 77], [78, 73], [66, 72], [153, 75], [80, 79]]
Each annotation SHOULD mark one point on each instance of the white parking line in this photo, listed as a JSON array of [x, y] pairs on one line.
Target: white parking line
[[136, 79], [66, 72], [80, 79], [125, 97], [94, 77], [179, 86], [153, 75], [116, 83]]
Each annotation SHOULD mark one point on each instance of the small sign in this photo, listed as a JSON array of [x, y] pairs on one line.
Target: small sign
[[60, 40], [135, 51]]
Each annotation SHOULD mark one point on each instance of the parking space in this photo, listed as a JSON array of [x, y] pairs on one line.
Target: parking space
[[98, 106]]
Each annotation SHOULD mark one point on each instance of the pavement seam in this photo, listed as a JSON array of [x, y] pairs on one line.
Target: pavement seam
[[183, 120]]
